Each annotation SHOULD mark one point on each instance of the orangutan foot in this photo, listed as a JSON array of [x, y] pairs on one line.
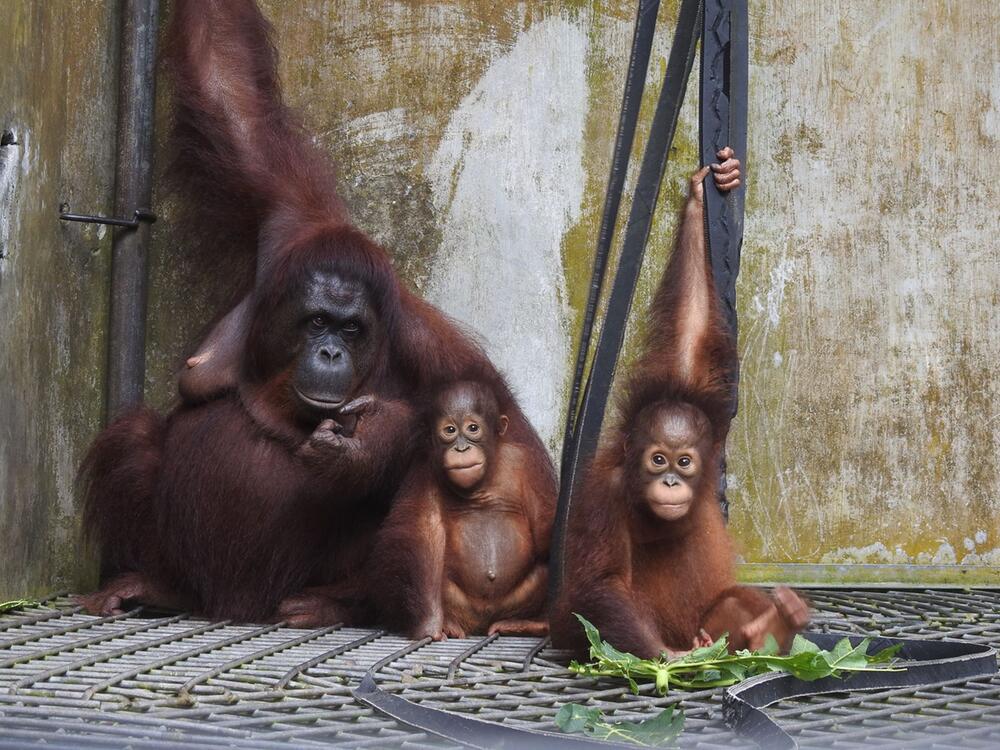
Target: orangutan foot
[[537, 628], [787, 615]]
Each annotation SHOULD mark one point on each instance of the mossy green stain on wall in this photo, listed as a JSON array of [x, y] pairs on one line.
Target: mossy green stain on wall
[[56, 60], [868, 301]]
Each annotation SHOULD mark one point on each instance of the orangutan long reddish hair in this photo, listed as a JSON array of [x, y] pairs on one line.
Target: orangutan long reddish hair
[[648, 559], [296, 426]]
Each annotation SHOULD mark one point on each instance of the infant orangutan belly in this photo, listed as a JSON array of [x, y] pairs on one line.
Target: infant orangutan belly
[[489, 554]]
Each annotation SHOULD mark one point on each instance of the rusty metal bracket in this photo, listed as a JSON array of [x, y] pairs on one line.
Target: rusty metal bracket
[[141, 215]]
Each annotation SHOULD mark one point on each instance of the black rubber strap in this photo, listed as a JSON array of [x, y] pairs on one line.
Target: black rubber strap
[[465, 730], [583, 441], [926, 662], [635, 83], [723, 122]]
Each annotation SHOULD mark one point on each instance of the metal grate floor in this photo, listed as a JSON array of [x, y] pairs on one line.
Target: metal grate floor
[[69, 680]]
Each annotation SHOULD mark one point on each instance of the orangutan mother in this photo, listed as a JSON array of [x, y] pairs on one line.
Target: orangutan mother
[[296, 425]]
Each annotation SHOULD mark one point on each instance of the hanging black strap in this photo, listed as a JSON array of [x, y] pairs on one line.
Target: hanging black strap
[[722, 116], [635, 84], [723, 122], [584, 430]]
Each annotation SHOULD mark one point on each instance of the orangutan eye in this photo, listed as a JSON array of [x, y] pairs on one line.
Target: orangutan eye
[[318, 322], [473, 428], [350, 329], [449, 430], [659, 459], [684, 461]]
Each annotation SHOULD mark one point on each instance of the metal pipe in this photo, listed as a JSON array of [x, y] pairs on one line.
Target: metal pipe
[[133, 192]]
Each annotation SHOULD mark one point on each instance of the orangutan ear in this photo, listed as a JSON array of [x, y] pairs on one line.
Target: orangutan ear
[[502, 424]]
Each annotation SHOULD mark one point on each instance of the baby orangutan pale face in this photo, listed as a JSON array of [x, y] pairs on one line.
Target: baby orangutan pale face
[[671, 464], [467, 431]]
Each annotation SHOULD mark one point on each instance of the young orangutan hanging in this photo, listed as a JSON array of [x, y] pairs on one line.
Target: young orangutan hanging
[[648, 559]]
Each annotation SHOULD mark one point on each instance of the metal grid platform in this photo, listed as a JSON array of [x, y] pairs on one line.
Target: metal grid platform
[[71, 680]]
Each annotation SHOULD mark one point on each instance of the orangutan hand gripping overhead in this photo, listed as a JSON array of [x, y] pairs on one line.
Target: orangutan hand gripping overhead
[[281, 464], [648, 559], [465, 548]]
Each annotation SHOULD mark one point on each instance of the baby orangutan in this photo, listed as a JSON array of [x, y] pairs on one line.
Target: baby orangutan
[[648, 558], [465, 548]]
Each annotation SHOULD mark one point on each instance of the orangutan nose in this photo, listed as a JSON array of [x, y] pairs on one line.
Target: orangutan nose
[[330, 354], [671, 480]]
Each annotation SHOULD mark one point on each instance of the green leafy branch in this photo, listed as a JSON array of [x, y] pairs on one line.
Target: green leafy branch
[[713, 666], [17, 604], [708, 667]]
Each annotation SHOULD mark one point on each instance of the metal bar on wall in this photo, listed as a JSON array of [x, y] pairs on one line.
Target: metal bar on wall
[[133, 192]]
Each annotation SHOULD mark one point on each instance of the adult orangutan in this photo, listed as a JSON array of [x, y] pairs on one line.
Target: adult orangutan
[[465, 548], [297, 427], [648, 559]]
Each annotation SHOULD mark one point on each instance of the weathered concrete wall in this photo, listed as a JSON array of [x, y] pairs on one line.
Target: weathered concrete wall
[[870, 430], [57, 113], [474, 140]]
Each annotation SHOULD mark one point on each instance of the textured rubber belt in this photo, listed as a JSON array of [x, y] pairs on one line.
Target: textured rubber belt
[[590, 415], [464, 730], [723, 122], [926, 662]]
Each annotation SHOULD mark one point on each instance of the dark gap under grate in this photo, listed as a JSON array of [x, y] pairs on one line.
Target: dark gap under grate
[[154, 679]]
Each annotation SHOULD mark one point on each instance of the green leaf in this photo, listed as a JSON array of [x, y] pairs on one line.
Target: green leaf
[[808, 666], [17, 604], [734, 671], [846, 656], [842, 648], [800, 645], [610, 653], [885, 655], [659, 730], [601, 649], [632, 684], [592, 635], [771, 647], [717, 650], [656, 731], [573, 717]]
